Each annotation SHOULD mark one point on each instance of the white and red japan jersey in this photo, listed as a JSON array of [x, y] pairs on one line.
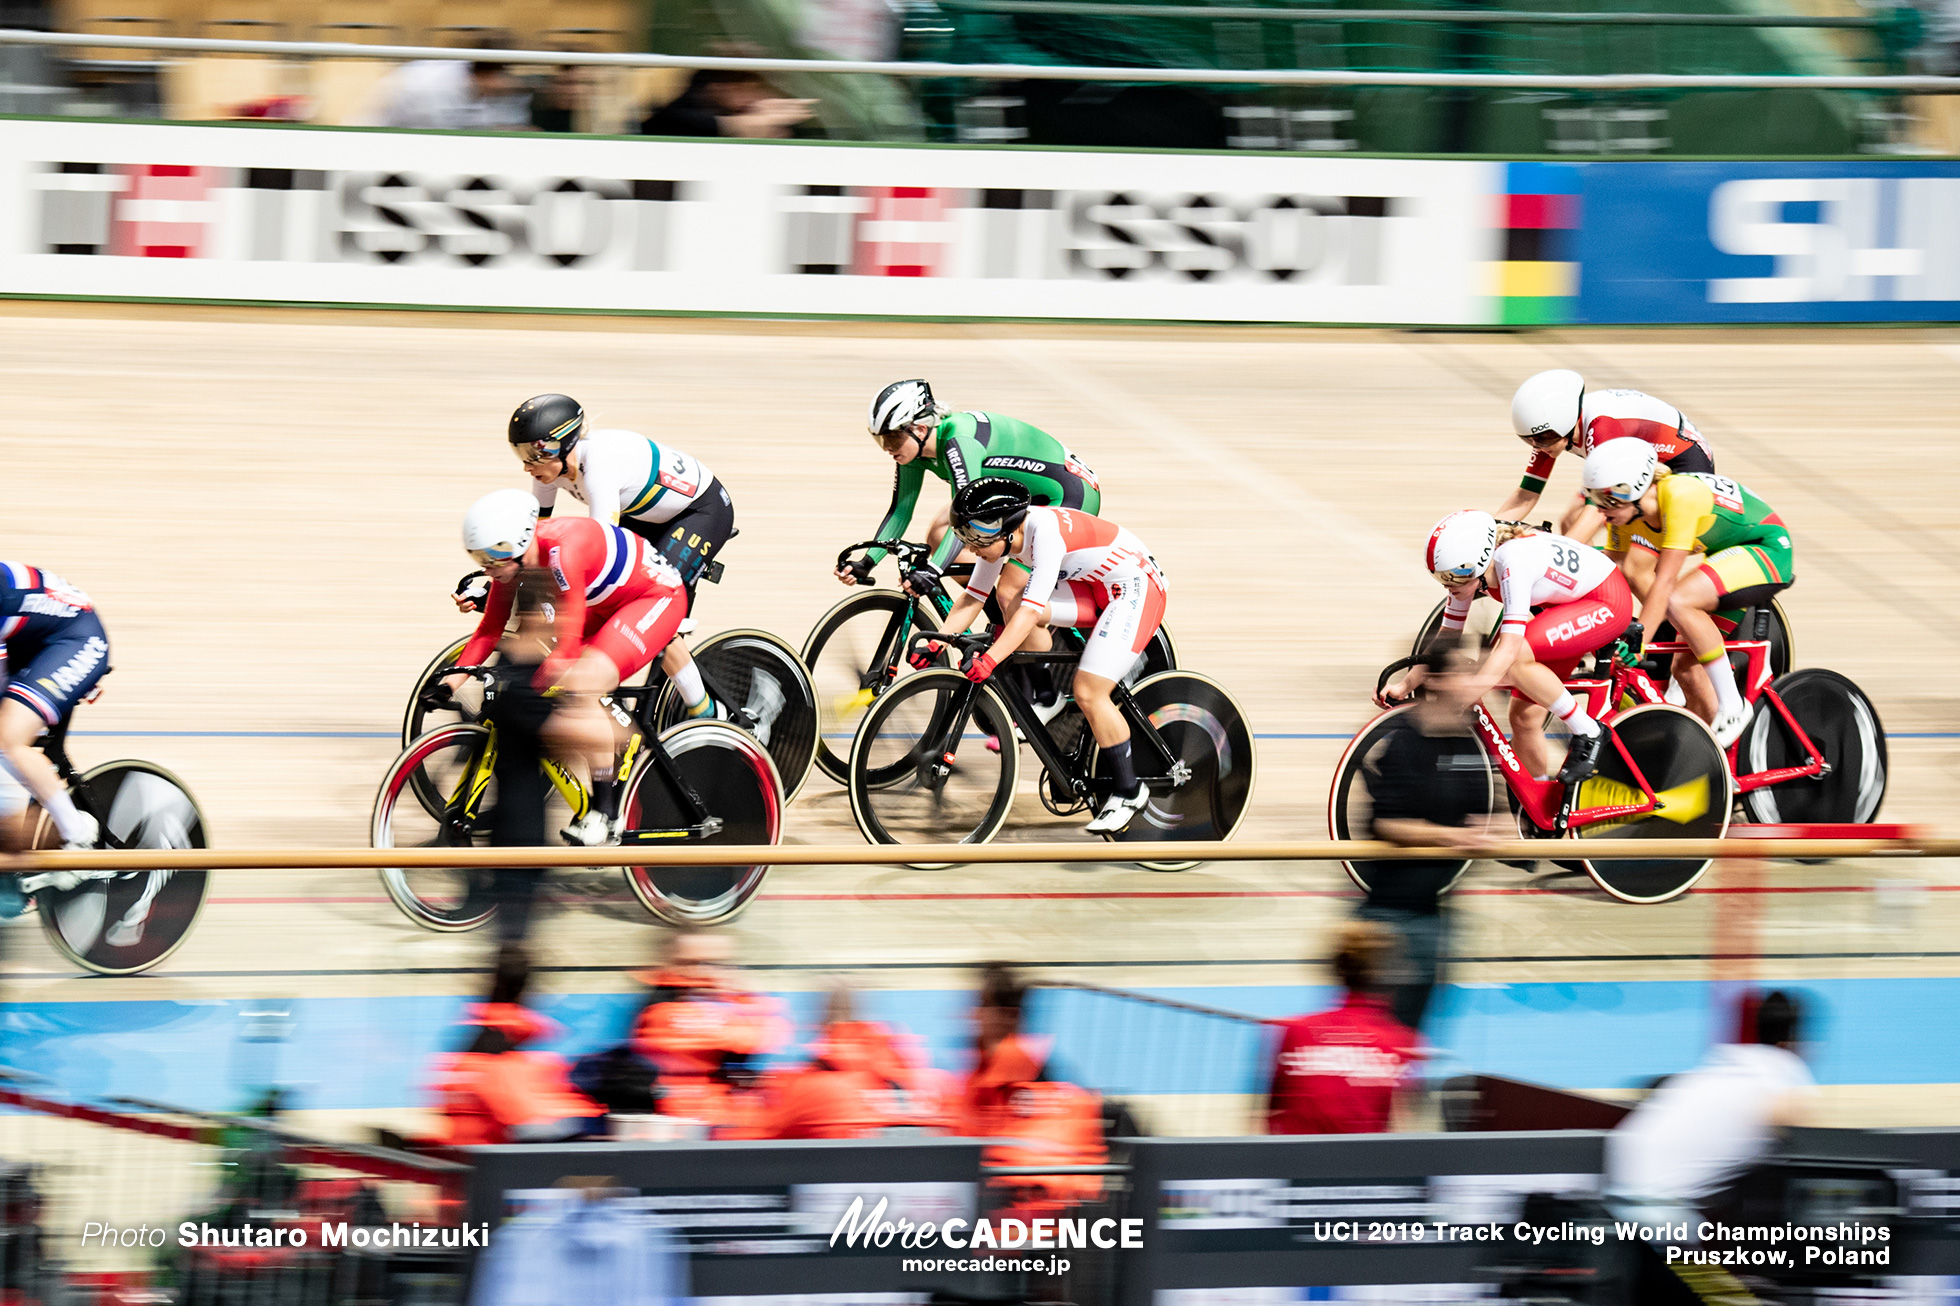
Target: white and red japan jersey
[[1059, 544]]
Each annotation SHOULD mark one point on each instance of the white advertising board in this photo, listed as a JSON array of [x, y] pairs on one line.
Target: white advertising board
[[551, 222]]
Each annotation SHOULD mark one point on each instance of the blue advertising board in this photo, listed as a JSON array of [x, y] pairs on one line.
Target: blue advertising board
[[1769, 242]]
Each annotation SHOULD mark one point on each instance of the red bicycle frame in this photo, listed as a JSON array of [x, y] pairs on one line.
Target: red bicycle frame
[[1547, 802]]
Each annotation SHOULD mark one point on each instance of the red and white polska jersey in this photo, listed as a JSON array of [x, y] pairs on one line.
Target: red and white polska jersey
[[1536, 571], [1059, 544]]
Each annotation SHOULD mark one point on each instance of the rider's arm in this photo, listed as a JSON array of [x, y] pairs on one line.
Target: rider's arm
[[546, 495], [1684, 503], [1015, 632], [964, 457], [905, 497], [978, 587], [1526, 496], [490, 629]]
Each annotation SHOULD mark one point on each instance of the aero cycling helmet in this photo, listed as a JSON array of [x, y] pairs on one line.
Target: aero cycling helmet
[[988, 508], [1548, 404], [1460, 546], [1619, 471], [899, 405], [547, 426], [499, 526]]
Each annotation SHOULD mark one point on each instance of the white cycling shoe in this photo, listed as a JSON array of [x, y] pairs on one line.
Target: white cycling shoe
[[590, 831], [1118, 812], [1729, 726], [91, 835]]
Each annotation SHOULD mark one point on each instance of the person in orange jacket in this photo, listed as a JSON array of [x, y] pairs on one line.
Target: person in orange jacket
[[491, 1092], [1009, 1095], [862, 1079], [707, 1036]]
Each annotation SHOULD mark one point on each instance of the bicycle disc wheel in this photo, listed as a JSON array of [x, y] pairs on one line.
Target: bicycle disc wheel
[[454, 762], [734, 778], [854, 654], [1206, 731], [1844, 725], [124, 922], [1351, 804], [1689, 774], [762, 679], [911, 783], [418, 720]]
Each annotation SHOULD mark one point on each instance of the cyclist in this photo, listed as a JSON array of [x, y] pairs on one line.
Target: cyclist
[[1739, 547], [53, 651], [618, 602], [1554, 413], [1070, 569], [1562, 599], [923, 437]]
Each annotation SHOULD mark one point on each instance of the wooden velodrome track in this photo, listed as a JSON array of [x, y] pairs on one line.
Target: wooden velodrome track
[[265, 506]]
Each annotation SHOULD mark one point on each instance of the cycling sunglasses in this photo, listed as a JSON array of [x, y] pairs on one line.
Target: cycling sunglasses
[[1547, 442], [538, 451], [495, 557], [1607, 500]]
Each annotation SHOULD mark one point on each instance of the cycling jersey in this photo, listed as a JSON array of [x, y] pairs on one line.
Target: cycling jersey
[[1748, 546], [972, 445], [621, 474], [53, 650], [1616, 414], [1113, 584], [617, 594], [1565, 599]]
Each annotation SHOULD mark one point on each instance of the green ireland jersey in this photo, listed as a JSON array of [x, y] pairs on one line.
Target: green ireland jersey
[[972, 445]]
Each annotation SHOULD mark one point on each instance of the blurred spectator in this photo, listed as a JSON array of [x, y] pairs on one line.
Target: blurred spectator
[[862, 1079], [722, 102], [1010, 1095], [451, 95], [491, 1092], [1697, 1132], [519, 710], [560, 104], [1432, 790], [1336, 1072], [707, 1036]]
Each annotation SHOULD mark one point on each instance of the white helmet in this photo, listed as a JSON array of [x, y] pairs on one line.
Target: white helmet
[[1460, 546], [499, 526], [1548, 404], [899, 405], [1620, 469]]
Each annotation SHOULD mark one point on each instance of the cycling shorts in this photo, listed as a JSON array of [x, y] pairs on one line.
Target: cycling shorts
[[638, 633], [1124, 612], [64, 671], [691, 539], [1747, 574], [1563, 633]]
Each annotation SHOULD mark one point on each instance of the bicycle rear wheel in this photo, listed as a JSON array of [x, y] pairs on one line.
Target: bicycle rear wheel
[[1844, 726], [124, 922], [854, 653], [1206, 731], [1351, 804], [913, 782], [733, 776], [1689, 775], [454, 762], [764, 681]]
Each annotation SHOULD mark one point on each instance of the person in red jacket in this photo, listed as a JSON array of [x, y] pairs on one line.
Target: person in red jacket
[[862, 1079], [1010, 1095], [1337, 1071], [491, 1092], [707, 1036]]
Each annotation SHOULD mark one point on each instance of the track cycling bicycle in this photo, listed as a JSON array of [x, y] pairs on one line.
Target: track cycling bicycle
[[856, 651], [1661, 775], [119, 922], [698, 781], [1776, 633], [922, 769], [756, 680]]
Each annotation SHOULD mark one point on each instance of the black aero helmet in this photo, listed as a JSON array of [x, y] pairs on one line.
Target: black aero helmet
[[899, 405], [988, 508], [547, 426]]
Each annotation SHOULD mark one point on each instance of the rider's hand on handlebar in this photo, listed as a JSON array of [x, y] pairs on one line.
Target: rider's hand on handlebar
[[1401, 691], [979, 669], [1636, 640], [923, 656], [471, 591], [921, 581], [854, 573]]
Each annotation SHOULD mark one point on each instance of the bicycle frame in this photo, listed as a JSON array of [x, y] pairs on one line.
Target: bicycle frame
[[1547, 802]]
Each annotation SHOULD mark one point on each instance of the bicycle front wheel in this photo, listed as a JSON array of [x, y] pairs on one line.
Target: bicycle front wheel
[[419, 720], [1690, 779], [1845, 728], [1210, 743], [732, 775], [1351, 803], [454, 762], [761, 685], [124, 922], [1484, 616], [929, 768], [854, 654]]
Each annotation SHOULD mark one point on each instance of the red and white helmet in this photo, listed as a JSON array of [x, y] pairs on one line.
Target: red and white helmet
[[1460, 546]]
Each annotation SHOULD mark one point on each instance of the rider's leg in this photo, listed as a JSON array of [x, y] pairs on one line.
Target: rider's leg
[[1691, 609], [1528, 737], [678, 663], [1132, 609], [579, 734], [1697, 691], [20, 726]]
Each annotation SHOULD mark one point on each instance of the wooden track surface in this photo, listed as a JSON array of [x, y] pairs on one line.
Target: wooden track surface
[[266, 506]]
